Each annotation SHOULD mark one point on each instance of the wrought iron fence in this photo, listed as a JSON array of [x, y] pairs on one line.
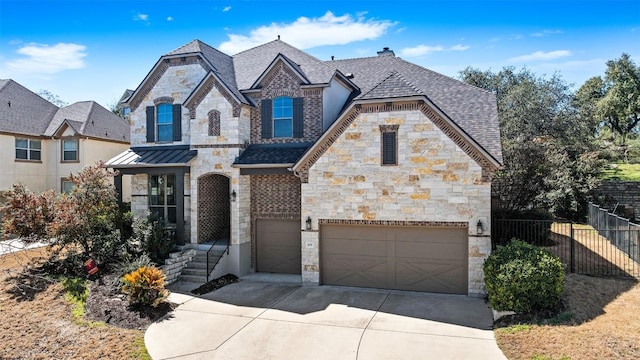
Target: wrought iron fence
[[624, 234], [583, 249]]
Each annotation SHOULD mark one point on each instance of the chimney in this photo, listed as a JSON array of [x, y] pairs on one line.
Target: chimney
[[386, 52]]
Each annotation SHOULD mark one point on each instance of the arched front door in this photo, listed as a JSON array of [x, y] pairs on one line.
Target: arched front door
[[214, 211]]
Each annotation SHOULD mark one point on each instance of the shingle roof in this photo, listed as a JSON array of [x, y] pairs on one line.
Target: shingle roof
[[22, 111], [90, 119], [471, 108], [158, 156], [250, 64], [272, 153]]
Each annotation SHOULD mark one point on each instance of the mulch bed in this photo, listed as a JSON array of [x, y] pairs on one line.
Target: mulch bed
[[106, 303], [215, 284]]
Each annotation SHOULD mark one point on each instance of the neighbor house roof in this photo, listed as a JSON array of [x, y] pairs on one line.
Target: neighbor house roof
[[88, 118], [26, 113], [23, 111]]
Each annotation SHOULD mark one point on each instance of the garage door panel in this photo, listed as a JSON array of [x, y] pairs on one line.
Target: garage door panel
[[278, 246], [395, 257]]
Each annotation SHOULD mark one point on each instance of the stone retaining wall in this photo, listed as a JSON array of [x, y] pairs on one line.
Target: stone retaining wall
[[626, 193], [173, 266]]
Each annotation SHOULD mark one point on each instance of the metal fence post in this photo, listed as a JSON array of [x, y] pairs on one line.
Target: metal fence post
[[572, 254]]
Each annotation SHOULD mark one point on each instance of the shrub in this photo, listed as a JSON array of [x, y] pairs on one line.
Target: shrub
[[150, 236], [27, 214], [523, 278], [145, 286]]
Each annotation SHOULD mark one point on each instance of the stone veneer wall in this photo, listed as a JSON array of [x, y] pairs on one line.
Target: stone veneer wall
[[273, 197], [435, 181], [281, 81], [173, 266]]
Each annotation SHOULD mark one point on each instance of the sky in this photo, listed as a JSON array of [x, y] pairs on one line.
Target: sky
[[95, 49]]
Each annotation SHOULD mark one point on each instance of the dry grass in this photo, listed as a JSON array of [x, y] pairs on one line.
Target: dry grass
[[602, 321], [41, 325]]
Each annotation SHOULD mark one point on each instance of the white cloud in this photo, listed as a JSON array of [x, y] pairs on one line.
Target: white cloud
[[226, 8], [141, 17], [546, 33], [306, 33], [169, 18], [48, 59], [541, 56], [422, 50]]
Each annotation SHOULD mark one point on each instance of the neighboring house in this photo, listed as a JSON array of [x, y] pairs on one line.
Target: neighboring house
[[42, 144], [371, 172]]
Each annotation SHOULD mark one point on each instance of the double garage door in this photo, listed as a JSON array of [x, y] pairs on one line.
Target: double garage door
[[432, 259]]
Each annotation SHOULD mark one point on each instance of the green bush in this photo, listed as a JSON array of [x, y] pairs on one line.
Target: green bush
[[523, 278], [150, 236], [145, 286]]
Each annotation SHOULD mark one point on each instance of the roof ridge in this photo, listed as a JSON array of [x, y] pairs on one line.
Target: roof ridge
[[304, 53], [411, 85], [379, 82]]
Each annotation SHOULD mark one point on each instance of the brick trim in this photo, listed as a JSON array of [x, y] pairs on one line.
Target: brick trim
[[163, 100], [456, 224], [209, 84], [156, 74]]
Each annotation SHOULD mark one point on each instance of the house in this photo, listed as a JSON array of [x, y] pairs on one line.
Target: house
[[43, 144], [371, 172]]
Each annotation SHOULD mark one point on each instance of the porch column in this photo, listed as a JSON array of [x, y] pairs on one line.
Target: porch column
[[180, 207], [117, 182]]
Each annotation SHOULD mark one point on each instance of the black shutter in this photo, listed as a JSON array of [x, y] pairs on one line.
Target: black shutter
[[298, 118], [151, 123], [265, 111], [389, 148], [177, 122]]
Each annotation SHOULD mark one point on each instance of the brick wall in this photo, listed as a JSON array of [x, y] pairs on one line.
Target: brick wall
[[273, 197], [213, 208], [281, 81]]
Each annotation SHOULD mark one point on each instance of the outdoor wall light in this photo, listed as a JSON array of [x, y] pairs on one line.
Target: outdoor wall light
[[479, 227], [308, 223], [233, 195]]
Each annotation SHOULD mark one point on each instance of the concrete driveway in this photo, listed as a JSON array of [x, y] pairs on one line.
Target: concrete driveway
[[267, 320]]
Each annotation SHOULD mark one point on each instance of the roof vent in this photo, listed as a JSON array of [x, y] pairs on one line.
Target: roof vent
[[278, 37], [349, 75], [386, 52]]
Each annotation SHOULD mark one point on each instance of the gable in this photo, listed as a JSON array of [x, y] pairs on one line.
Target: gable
[[455, 134], [280, 78]]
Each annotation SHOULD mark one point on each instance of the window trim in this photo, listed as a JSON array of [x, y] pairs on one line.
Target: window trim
[[169, 124], [62, 150], [165, 206], [274, 118], [29, 149], [387, 129]]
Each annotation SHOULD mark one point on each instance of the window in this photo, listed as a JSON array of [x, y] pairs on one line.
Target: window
[[70, 150], [28, 149], [164, 121], [389, 148], [67, 186], [214, 123], [283, 117], [162, 197]]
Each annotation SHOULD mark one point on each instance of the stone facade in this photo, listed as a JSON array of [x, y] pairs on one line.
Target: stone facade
[[173, 266], [434, 181]]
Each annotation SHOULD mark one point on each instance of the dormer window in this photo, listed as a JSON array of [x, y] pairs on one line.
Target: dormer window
[[283, 117]]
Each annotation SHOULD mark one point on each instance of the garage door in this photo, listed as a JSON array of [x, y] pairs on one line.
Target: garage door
[[395, 257], [278, 246]]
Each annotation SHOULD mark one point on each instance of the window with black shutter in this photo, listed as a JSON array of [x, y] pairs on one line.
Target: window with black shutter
[[164, 122], [389, 148], [265, 112]]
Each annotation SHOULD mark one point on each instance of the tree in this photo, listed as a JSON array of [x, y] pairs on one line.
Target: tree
[[550, 161], [52, 98], [613, 102]]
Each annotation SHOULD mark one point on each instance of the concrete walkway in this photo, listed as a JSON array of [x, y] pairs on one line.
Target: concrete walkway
[[280, 320]]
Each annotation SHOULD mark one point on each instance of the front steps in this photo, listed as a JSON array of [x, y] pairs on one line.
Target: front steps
[[196, 269]]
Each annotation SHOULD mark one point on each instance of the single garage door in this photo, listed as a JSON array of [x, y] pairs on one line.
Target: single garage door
[[432, 259], [278, 246]]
